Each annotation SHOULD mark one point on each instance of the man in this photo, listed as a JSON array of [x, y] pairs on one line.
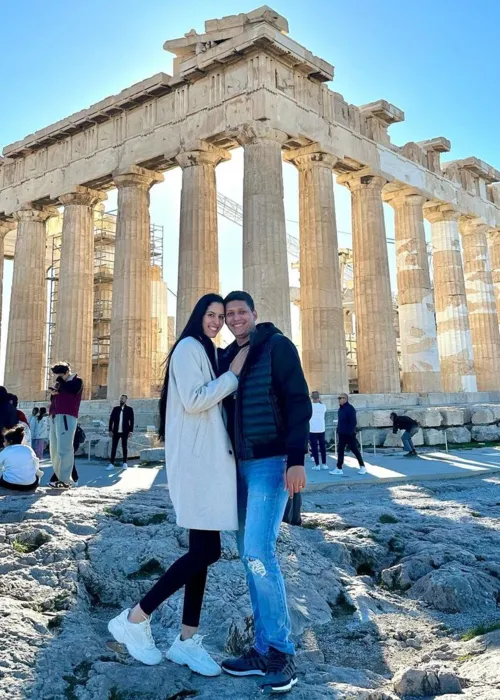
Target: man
[[410, 427], [317, 432], [346, 432], [66, 396], [268, 421], [121, 427]]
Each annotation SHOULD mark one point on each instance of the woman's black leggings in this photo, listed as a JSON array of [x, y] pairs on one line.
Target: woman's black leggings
[[189, 571], [19, 487]]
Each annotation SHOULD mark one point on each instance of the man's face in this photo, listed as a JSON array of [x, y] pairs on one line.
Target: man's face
[[342, 400], [240, 319], [123, 400]]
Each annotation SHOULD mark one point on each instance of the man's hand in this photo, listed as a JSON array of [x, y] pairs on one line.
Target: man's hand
[[295, 479]]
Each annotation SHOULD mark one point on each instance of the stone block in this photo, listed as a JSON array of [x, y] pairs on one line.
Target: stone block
[[392, 440], [427, 417], [381, 419], [433, 437], [370, 436], [485, 433], [102, 449], [418, 438], [364, 419], [458, 435], [153, 455], [453, 416], [481, 415]]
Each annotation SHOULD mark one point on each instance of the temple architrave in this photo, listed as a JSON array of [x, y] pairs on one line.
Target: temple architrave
[[245, 83]]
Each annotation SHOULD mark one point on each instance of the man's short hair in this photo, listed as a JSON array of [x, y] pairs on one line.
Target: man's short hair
[[13, 399], [125, 395], [61, 368], [315, 394], [240, 296]]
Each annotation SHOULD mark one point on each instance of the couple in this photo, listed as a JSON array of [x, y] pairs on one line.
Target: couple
[[229, 468]]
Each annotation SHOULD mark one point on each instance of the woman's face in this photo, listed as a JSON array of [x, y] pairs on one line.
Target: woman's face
[[213, 320]]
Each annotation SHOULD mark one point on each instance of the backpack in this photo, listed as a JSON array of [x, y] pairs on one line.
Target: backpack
[[80, 436]]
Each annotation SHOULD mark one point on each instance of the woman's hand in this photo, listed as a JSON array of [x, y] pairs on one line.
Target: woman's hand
[[239, 361]]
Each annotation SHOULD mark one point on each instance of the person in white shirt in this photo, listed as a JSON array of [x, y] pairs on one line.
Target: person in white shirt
[[317, 432], [18, 463]]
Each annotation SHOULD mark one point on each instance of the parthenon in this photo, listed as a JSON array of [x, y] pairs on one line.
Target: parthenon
[[245, 83]]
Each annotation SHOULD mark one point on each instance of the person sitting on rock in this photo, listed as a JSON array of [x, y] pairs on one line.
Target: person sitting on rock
[[18, 462], [410, 427]]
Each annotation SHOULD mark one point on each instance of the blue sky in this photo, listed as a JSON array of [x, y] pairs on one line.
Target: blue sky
[[438, 61]]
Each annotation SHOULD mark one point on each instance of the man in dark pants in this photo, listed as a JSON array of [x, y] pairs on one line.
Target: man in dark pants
[[268, 421], [346, 431], [121, 427], [410, 427]]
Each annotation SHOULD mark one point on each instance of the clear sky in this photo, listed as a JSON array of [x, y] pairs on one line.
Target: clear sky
[[435, 59]]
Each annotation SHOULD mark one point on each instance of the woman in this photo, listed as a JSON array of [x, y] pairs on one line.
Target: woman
[[8, 414], [18, 462], [41, 435], [202, 483]]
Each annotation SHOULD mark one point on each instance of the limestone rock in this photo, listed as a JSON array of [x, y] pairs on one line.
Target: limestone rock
[[427, 417], [454, 416], [485, 433], [458, 435], [433, 437], [392, 440], [152, 455], [424, 683], [455, 588], [482, 415], [374, 435]]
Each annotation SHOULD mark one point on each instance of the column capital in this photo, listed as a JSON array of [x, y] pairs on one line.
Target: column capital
[[34, 214], [439, 211], [82, 196], [398, 197], [471, 225], [6, 226], [364, 179], [256, 131], [203, 154], [134, 176], [312, 155]]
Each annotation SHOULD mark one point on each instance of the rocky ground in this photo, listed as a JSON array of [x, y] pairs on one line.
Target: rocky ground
[[383, 582]]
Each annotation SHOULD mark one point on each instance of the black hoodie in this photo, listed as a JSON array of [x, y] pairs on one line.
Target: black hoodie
[[285, 390]]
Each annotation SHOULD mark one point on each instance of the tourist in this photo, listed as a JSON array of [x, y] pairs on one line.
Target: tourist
[[121, 427], [410, 427], [18, 462], [40, 432], [202, 484], [8, 414], [66, 396], [78, 440], [33, 420], [268, 420], [21, 419], [317, 432], [346, 432]]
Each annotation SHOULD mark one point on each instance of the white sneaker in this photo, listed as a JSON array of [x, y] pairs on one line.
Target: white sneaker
[[362, 470], [136, 637], [192, 653], [315, 468], [124, 465], [110, 467], [324, 467], [337, 472]]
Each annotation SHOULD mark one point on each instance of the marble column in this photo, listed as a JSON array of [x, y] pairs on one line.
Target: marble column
[[417, 323], [198, 239], [5, 227], [75, 300], [130, 364], [494, 251], [265, 262], [481, 305], [377, 359], [25, 369], [324, 354], [452, 318]]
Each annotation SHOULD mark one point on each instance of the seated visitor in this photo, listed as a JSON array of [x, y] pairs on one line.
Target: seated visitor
[[18, 462]]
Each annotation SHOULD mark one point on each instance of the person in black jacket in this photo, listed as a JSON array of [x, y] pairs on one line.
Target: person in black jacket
[[410, 427], [268, 422], [8, 414], [346, 432], [121, 427]]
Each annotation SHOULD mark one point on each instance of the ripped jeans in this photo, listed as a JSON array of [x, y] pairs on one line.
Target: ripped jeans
[[261, 504]]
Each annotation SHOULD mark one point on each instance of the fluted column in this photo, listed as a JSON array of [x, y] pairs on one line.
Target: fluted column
[[5, 227], [417, 323], [378, 371], [130, 359], [452, 318], [324, 353], [494, 251], [75, 299], [198, 239], [25, 361], [265, 263], [481, 305]]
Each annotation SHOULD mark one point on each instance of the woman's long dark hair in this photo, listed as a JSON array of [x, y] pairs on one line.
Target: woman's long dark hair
[[193, 329]]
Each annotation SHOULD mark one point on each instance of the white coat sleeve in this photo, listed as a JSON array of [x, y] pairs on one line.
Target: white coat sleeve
[[196, 394]]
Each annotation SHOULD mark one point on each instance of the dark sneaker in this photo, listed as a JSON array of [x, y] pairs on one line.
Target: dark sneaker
[[251, 663], [281, 673], [61, 485]]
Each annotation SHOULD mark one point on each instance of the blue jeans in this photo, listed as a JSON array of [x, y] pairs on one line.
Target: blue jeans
[[261, 504], [406, 438]]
